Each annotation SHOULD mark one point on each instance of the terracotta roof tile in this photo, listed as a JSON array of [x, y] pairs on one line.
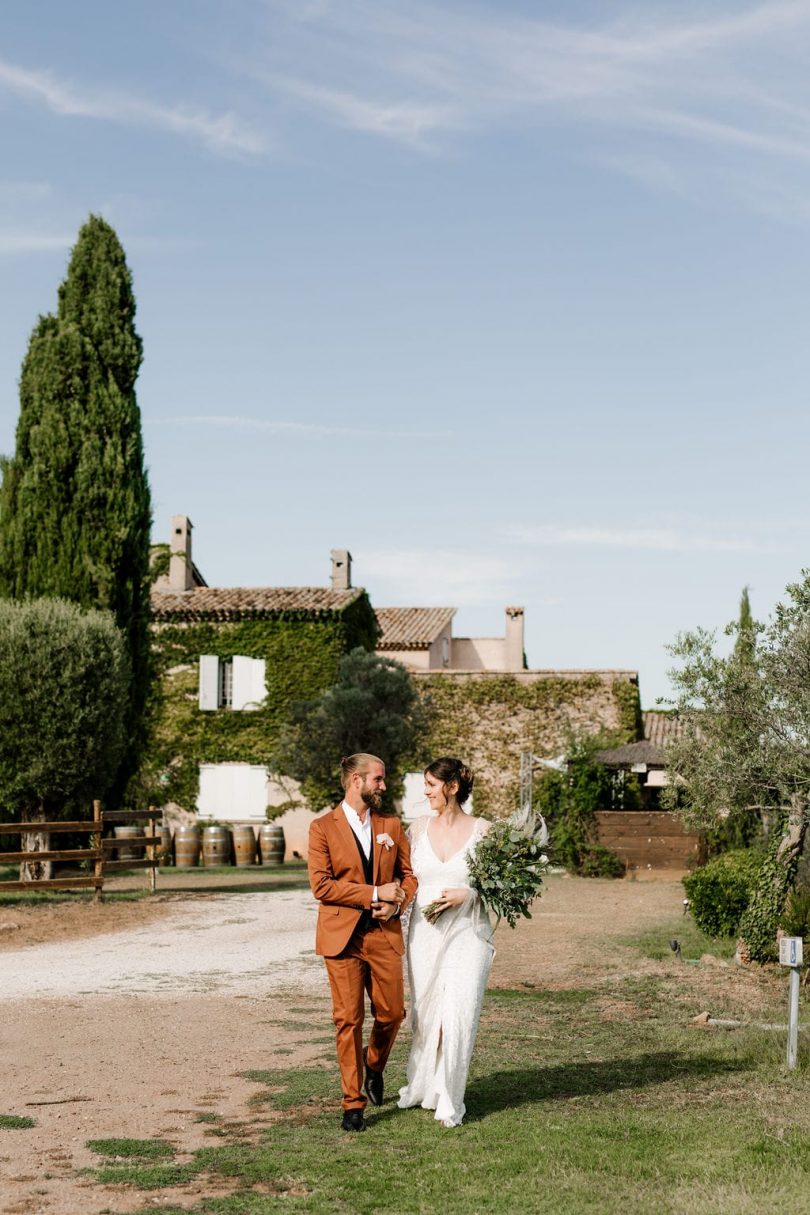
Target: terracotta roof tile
[[661, 727], [643, 752], [411, 628], [240, 602]]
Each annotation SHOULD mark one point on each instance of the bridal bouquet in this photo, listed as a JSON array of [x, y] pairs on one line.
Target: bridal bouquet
[[508, 865]]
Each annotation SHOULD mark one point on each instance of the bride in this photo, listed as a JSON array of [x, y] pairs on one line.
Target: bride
[[449, 958]]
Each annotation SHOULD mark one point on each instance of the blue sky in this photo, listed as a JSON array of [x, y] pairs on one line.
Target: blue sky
[[509, 299]]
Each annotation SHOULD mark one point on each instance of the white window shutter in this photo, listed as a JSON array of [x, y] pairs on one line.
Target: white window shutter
[[259, 685], [248, 682], [209, 681]]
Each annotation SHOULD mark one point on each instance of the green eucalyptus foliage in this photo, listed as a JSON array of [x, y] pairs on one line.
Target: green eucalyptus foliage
[[569, 800], [75, 511], [64, 683], [373, 706], [507, 868]]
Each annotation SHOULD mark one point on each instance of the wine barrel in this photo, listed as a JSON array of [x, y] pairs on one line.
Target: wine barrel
[[164, 847], [216, 846], [244, 846], [129, 852], [187, 846], [271, 842]]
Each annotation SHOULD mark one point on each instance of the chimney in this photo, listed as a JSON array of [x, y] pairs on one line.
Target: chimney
[[181, 577], [513, 641], [341, 569]]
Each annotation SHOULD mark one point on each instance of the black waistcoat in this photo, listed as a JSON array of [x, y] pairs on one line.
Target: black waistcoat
[[366, 920]]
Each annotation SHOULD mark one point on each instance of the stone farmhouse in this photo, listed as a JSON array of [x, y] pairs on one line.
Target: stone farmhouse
[[232, 660]]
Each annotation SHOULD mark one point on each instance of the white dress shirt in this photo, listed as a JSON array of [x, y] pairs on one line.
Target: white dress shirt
[[362, 831]]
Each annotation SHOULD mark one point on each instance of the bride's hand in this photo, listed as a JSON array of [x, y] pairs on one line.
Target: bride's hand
[[453, 896]]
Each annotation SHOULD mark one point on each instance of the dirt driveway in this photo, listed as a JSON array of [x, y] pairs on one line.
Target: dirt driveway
[[139, 1031]]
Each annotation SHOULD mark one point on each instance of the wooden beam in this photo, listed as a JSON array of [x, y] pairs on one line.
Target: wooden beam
[[130, 816], [51, 884], [65, 854], [29, 828], [118, 866]]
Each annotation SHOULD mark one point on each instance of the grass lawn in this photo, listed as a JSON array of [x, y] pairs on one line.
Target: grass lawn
[[600, 1098]]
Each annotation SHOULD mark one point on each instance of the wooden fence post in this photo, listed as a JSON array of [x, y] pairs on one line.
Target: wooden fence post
[[98, 819], [150, 851]]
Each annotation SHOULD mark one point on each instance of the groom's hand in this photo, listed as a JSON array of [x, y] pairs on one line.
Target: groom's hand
[[383, 911], [391, 892]]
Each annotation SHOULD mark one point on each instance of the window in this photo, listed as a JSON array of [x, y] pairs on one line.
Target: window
[[225, 697], [231, 683]]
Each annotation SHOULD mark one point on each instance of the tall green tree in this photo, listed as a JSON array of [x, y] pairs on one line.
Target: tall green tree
[[745, 746], [745, 642], [64, 688], [373, 707], [75, 510]]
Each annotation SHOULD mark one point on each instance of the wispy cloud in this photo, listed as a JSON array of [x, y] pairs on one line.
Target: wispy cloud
[[16, 241], [404, 121], [24, 191], [697, 79], [662, 539], [219, 132], [293, 429], [435, 577]]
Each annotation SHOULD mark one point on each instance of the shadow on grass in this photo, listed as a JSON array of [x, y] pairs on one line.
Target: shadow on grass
[[505, 1090], [508, 1089]]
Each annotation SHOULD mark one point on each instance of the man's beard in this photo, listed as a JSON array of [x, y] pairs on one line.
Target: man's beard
[[372, 798]]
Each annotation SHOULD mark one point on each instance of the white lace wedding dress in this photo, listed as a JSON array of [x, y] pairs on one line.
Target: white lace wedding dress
[[448, 967]]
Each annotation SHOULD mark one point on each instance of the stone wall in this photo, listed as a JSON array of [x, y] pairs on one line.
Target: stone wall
[[488, 717]]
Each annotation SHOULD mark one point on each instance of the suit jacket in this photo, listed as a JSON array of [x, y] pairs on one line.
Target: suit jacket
[[339, 883]]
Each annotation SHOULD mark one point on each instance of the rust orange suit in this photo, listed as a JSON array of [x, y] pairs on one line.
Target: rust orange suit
[[359, 960]]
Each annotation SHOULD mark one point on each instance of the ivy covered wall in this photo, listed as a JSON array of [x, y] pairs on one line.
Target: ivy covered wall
[[301, 650], [488, 718]]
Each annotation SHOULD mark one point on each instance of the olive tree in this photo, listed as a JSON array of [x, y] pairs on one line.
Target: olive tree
[[373, 706], [64, 693], [745, 746]]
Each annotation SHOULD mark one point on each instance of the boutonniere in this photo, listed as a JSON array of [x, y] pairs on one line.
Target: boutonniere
[[385, 840]]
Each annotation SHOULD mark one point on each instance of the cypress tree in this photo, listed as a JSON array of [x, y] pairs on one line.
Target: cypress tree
[[75, 509], [745, 644]]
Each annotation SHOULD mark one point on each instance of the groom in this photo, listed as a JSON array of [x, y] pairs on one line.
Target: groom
[[360, 873]]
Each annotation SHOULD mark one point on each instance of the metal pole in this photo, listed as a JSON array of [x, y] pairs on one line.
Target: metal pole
[[526, 758], [793, 1018]]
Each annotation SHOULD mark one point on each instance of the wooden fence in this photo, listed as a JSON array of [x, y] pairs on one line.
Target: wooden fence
[[649, 839], [99, 850]]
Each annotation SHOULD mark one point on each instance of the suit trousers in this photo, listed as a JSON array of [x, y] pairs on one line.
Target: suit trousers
[[368, 964]]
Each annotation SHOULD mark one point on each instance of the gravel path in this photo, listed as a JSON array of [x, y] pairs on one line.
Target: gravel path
[[222, 945]]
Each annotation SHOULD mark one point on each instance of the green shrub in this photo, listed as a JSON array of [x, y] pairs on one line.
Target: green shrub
[[719, 893], [569, 801], [795, 919]]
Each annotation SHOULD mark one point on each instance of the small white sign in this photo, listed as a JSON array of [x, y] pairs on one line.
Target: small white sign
[[790, 951]]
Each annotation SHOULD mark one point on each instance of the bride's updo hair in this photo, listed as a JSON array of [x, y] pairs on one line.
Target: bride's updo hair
[[448, 770]]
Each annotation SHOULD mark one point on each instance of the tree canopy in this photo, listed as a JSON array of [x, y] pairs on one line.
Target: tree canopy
[[745, 748], [64, 681], [75, 512], [374, 707]]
